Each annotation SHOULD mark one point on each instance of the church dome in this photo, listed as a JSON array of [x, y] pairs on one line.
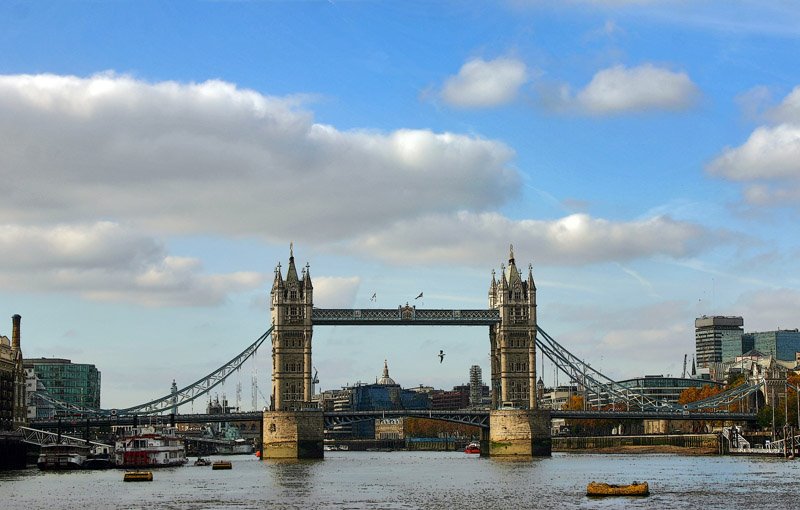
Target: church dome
[[385, 379]]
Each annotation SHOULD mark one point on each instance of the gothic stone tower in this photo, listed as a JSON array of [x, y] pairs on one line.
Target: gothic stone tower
[[291, 302], [513, 340]]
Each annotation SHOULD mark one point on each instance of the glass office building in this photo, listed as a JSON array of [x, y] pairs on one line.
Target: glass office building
[[74, 383], [656, 387], [781, 344]]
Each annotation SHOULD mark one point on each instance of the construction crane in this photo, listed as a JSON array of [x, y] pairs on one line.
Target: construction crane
[[684, 366], [314, 381]]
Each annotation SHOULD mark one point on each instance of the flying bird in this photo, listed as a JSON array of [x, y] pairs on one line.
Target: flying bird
[[420, 295], [441, 355]]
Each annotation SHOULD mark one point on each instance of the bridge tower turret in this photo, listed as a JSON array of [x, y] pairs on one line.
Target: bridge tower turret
[[513, 339], [291, 303]]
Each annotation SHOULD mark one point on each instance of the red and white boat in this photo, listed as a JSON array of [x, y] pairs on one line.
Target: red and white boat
[[473, 447], [150, 447]]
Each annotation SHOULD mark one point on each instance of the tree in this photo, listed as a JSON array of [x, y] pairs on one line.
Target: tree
[[425, 427]]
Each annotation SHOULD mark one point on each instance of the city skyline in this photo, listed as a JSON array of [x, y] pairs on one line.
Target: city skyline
[[158, 161]]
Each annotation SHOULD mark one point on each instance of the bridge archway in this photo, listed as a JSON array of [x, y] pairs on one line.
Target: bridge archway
[[510, 318]]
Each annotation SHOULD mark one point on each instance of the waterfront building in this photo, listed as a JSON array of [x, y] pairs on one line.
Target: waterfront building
[[657, 387], [12, 380], [760, 367], [390, 428], [384, 395], [453, 400], [74, 383], [36, 407], [558, 397], [718, 339], [783, 344]]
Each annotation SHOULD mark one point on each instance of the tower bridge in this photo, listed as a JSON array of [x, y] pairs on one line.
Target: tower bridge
[[292, 426]]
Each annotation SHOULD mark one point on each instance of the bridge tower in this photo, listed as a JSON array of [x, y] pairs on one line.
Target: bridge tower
[[292, 428], [516, 425], [291, 303], [513, 339]]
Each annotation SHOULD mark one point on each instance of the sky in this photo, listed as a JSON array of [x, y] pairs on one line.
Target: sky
[[158, 159]]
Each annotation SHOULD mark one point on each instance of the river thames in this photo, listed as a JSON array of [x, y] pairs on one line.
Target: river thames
[[424, 480]]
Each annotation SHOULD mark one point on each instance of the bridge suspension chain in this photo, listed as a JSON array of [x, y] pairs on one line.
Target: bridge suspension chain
[[596, 382], [592, 379], [169, 401], [726, 397]]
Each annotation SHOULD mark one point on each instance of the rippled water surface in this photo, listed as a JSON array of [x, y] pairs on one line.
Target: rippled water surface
[[407, 480]]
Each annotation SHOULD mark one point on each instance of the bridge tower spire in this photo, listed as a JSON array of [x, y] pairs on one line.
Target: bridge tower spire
[[291, 302], [513, 339]]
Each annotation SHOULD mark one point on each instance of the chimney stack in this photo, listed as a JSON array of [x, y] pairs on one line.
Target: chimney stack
[[16, 318]]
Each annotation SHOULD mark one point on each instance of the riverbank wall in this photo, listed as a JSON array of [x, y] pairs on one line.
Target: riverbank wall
[[689, 443], [13, 452]]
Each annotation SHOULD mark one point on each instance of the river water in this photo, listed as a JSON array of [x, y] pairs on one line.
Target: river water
[[424, 480]]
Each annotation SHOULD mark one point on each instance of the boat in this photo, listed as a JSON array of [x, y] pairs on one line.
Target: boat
[[98, 461], [138, 476], [202, 462], [222, 464], [151, 447], [473, 447], [604, 489], [99, 457], [62, 456]]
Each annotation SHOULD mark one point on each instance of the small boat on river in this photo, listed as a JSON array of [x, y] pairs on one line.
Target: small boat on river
[[138, 476], [202, 462], [605, 489], [222, 464], [473, 447]]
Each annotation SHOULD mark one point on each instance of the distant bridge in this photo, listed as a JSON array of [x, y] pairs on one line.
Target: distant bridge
[[479, 418]]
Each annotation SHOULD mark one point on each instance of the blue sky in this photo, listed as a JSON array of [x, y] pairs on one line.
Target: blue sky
[[158, 159]]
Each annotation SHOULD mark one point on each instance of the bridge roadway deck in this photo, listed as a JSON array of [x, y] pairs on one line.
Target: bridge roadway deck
[[471, 417]]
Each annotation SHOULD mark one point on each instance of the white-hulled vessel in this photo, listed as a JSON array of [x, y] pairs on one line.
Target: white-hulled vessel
[[149, 446], [62, 456]]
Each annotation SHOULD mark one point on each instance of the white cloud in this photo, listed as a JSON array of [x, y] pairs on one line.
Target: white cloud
[[769, 153], [768, 162], [476, 239], [335, 292], [769, 309], [789, 109], [107, 262], [211, 158], [620, 90], [480, 83], [170, 159], [624, 342]]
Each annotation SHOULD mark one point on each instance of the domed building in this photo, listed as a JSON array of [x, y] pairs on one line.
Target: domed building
[[384, 395]]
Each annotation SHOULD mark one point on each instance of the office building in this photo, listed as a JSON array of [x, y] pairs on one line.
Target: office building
[[783, 344], [74, 383], [655, 387], [718, 339]]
